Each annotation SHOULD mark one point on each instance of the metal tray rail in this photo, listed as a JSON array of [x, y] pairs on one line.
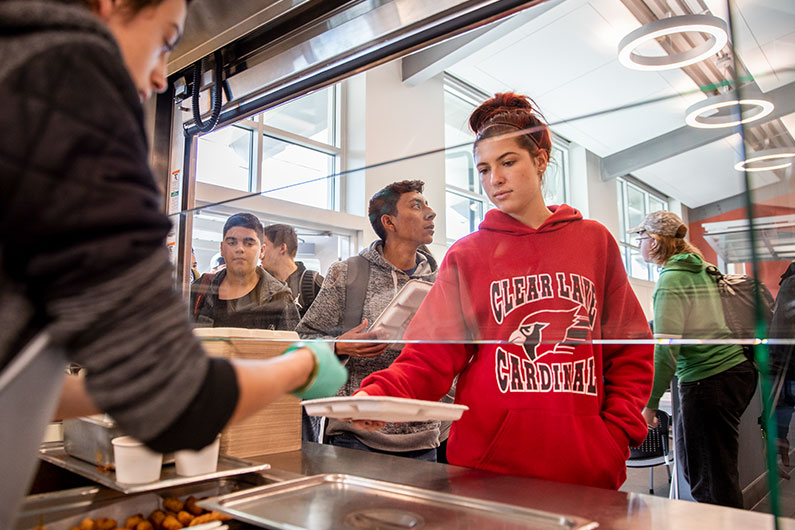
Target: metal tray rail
[[227, 466], [64, 509], [334, 501]]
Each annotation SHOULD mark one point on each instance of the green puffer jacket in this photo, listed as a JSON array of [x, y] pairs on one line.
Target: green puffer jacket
[[687, 305]]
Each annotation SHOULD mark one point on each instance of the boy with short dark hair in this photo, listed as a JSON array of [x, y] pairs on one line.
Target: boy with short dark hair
[[243, 295]]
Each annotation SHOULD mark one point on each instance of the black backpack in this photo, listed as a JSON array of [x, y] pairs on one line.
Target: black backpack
[[738, 298], [307, 288]]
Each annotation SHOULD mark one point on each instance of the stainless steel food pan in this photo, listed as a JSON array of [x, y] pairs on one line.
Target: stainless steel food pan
[[335, 501]]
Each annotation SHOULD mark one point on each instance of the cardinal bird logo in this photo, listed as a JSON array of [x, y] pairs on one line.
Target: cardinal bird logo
[[536, 342]]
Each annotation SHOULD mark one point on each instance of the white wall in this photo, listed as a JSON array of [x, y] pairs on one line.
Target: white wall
[[399, 121], [598, 199]]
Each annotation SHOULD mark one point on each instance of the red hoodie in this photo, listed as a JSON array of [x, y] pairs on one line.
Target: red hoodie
[[545, 402]]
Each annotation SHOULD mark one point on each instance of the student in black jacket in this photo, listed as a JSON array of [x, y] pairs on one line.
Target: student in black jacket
[[278, 258]]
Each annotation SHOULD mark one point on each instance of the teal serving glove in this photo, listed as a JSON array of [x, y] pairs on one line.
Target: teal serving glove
[[328, 375]]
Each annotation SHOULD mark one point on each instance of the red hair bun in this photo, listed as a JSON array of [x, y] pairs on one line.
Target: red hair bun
[[508, 105]]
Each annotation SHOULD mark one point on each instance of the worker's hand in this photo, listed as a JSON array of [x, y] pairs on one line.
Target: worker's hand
[[365, 425], [365, 348], [650, 415], [328, 374]]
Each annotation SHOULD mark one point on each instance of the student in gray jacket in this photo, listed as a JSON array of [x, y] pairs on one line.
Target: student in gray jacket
[[403, 221]]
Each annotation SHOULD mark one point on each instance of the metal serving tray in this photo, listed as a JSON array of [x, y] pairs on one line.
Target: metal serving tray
[[65, 509], [227, 466], [336, 501]]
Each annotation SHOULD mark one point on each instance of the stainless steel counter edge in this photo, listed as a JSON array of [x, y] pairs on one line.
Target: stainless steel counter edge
[[611, 509]]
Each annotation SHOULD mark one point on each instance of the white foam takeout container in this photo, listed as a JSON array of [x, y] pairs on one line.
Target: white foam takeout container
[[383, 408], [135, 463], [205, 460]]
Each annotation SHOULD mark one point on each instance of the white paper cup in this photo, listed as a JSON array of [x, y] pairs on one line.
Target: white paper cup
[[201, 462], [135, 463]]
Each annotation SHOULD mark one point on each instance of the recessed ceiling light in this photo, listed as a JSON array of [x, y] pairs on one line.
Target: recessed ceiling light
[[711, 25], [750, 107], [767, 160]]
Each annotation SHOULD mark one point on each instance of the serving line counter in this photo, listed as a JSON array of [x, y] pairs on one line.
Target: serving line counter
[[613, 510]]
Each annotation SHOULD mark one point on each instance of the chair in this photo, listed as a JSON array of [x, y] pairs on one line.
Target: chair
[[655, 449]]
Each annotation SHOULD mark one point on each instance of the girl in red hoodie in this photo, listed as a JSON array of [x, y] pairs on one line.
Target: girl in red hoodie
[[542, 291]]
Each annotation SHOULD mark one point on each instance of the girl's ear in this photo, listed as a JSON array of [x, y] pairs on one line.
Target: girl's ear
[[542, 160]]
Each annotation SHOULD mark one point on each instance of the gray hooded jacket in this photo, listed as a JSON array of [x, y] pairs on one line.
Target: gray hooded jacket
[[325, 320]]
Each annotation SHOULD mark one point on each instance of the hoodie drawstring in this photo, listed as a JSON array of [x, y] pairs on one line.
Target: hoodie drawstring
[[395, 281]]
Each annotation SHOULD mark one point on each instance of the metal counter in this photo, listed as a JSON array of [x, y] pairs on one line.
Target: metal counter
[[612, 509]]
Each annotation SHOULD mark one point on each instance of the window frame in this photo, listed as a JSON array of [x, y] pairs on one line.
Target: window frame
[[470, 95], [335, 149], [626, 242]]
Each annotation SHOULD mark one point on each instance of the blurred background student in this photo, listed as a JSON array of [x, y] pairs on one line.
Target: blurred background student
[[716, 381]]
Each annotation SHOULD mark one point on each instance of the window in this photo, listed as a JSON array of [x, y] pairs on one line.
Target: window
[[634, 203], [466, 202], [225, 158], [288, 152]]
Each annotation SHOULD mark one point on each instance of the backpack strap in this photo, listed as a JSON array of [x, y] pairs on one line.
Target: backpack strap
[[355, 291], [712, 270], [306, 288], [204, 286]]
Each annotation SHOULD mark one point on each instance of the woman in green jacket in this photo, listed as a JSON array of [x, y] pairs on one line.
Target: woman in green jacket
[[716, 382]]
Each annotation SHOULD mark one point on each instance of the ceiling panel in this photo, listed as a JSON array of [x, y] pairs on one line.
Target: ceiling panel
[[556, 54], [612, 87], [780, 54], [768, 19], [789, 123], [763, 38]]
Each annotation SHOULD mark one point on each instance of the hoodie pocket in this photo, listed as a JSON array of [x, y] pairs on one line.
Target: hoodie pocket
[[556, 446]]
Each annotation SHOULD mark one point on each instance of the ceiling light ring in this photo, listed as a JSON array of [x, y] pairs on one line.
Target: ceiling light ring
[[767, 155], [753, 100], [709, 24]]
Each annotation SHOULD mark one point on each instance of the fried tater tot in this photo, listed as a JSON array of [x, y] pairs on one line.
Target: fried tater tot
[[133, 520], [173, 504], [171, 523], [88, 524], [106, 523], [190, 505], [156, 518], [209, 517], [144, 525], [185, 517]]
